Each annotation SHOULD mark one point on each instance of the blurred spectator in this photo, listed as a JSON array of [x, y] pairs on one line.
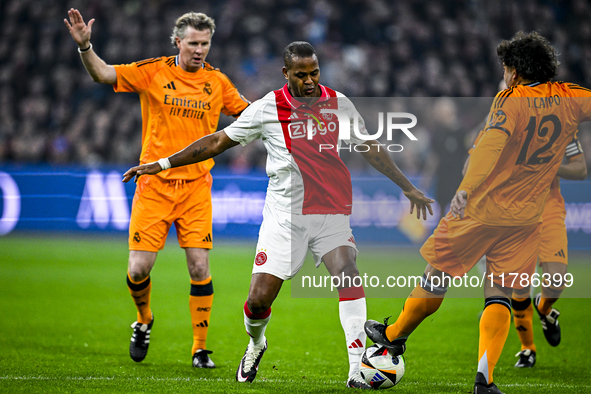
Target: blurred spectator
[[51, 111], [448, 153]]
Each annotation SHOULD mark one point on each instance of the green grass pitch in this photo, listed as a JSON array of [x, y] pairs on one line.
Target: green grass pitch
[[65, 313]]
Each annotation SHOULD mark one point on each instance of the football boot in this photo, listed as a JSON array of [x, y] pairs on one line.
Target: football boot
[[376, 331], [140, 340], [527, 359], [201, 359], [249, 365], [549, 323], [480, 386], [357, 382]]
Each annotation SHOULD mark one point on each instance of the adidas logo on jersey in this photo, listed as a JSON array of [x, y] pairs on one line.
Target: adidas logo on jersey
[[169, 85]]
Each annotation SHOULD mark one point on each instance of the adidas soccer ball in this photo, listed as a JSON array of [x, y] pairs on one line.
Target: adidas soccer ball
[[380, 369]]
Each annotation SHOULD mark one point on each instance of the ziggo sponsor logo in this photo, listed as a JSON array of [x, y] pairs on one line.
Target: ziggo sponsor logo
[[314, 126]]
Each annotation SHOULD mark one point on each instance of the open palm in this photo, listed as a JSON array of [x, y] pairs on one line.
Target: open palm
[[79, 30]]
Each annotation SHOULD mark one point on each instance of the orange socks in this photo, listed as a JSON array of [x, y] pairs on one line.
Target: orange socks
[[494, 328], [140, 291], [523, 312], [200, 303], [545, 305], [419, 304]]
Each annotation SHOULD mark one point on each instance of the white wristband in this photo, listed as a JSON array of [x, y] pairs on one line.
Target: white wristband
[[85, 49], [164, 163]]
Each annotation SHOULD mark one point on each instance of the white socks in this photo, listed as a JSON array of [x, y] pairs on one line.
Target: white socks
[[255, 325], [353, 314]]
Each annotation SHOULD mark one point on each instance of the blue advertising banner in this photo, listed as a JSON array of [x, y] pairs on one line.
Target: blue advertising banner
[[75, 199]]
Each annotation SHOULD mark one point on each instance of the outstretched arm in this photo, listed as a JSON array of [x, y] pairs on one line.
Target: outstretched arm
[[80, 32], [574, 169], [480, 164], [200, 150], [381, 161], [465, 168]]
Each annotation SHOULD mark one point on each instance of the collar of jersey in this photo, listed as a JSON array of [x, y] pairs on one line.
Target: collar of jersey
[[188, 74], [295, 103]]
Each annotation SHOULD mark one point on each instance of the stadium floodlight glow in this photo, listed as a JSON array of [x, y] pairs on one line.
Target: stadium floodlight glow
[[12, 203]]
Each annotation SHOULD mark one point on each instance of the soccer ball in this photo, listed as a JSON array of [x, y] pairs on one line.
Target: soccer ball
[[380, 369]]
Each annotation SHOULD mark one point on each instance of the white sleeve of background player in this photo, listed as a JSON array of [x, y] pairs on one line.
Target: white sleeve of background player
[[249, 126], [355, 119]]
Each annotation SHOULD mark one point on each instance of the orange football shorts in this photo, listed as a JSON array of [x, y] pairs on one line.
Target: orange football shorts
[[554, 243], [158, 203], [457, 245]]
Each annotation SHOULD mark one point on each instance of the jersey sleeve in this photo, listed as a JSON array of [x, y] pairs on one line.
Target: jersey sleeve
[[234, 102], [583, 99], [476, 141], [483, 159], [249, 126], [502, 115], [137, 76]]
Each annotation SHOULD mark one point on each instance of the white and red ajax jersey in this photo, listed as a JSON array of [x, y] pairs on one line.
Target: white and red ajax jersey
[[306, 174]]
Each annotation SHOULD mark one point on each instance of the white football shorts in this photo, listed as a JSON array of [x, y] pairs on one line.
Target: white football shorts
[[284, 240]]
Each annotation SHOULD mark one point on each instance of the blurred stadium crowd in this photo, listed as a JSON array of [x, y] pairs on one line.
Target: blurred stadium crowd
[[52, 112]]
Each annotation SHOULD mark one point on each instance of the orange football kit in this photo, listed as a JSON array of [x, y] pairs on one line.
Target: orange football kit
[[178, 107], [553, 241], [508, 181]]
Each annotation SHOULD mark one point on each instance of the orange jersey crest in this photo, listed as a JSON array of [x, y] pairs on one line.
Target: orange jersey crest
[[178, 107]]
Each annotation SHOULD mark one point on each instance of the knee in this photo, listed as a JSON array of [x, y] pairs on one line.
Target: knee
[[350, 270], [495, 290], [198, 263], [137, 274], [431, 271], [137, 271], [521, 293], [199, 269], [258, 303]]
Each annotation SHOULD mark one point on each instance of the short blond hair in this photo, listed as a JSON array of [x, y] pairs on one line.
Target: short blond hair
[[197, 20]]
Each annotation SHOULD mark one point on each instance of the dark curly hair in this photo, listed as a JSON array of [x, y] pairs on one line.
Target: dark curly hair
[[300, 49], [531, 55]]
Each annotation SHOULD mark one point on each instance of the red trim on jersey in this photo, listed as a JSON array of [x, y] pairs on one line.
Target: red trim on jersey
[[295, 103], [283, 113], [351, 293], [256, 316], [327, 181]]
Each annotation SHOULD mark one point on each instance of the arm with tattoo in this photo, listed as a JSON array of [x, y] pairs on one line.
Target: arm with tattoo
[[200, 150]]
